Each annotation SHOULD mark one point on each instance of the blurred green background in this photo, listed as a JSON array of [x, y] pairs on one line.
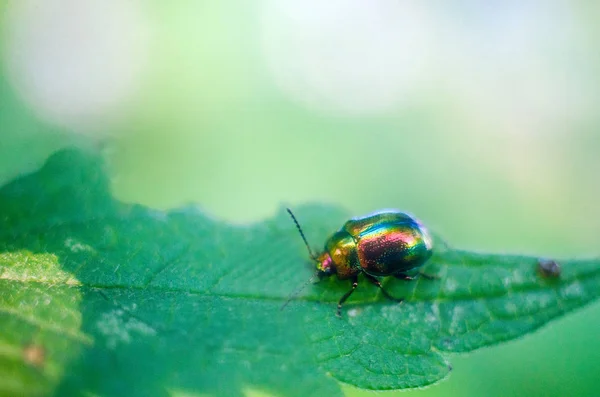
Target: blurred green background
[[482, 119]]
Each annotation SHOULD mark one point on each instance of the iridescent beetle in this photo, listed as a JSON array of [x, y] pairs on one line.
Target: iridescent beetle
[[387, 243]]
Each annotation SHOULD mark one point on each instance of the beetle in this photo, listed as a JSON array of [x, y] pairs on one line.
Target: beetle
[[385, 243]]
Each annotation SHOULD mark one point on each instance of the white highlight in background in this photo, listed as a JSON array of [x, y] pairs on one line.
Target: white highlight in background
[[75, 62], [349, 57]]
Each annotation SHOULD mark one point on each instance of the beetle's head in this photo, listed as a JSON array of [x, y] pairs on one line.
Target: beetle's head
[[325, 266]]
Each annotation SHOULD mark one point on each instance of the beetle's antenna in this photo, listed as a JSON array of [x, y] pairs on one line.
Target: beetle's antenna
[[312, 256], [297, 292]]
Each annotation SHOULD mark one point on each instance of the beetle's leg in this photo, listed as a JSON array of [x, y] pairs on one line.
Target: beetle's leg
[[438, 240], [346, 295], [385, 293], [403, 276]]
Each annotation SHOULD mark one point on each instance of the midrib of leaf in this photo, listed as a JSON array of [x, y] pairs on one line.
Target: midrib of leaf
[[375, 298], [441, 297]]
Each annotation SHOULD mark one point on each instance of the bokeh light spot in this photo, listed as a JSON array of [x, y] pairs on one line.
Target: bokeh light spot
[[75, 62]]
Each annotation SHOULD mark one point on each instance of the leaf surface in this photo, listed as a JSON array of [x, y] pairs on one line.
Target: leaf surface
[[113, 299]]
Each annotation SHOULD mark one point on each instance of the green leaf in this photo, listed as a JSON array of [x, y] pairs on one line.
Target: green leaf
[[103, 298]]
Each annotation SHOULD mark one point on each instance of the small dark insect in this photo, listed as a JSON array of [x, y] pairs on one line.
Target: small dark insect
[[548, 268], [387, 243]]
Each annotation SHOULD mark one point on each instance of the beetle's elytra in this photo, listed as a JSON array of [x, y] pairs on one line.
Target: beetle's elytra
[[387, 243]]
